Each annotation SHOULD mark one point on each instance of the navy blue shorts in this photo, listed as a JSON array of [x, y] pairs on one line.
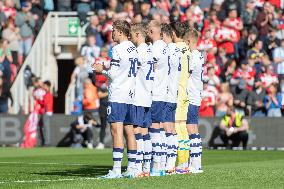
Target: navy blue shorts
[[170, 112], [121, 112], [192, 114], [143, 117], [147, 119], [157, 111]]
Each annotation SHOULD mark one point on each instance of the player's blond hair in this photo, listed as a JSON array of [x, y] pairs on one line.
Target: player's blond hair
[[155, 24], [140, 27], [191, 33]]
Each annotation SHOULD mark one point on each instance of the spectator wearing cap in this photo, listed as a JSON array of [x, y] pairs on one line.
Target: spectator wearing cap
[[278, 57], [249, 14], [268, 77], [25, 21], [257, 54], [264, 20], [94, 29], [256, 98], [273, 102]]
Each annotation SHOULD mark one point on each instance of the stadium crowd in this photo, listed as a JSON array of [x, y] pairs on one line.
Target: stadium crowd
[[244, 42]]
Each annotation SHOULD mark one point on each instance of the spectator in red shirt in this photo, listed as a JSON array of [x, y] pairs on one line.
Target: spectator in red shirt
[[244, 73], [209, 101], [39, 94], [207, 43], [48, 98], [268, 77]]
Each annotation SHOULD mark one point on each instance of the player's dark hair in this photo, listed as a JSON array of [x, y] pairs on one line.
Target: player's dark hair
[[47, 82], [179, 28], [122, 26], [167, 29]]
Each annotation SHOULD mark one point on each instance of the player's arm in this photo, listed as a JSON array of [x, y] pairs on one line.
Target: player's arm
[[114, 64]]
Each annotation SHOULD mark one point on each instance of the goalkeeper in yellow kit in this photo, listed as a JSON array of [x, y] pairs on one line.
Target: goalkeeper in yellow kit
[[179, 29]]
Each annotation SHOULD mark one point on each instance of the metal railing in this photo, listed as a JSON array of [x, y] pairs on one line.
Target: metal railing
[[42, 59]]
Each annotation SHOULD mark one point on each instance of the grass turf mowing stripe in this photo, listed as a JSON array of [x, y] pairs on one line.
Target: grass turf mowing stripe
[[47, 180], [41, 163]]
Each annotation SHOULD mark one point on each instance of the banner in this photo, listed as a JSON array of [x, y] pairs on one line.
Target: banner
[[264, 132]]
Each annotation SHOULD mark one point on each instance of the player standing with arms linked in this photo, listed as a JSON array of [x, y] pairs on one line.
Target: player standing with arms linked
[[194, 90], [121, 111], [143, 99], [170, 107], [160, 54], [179, 29]]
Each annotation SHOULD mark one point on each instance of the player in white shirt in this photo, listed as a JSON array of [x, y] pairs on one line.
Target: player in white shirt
[[161, 57], [143, 99], [170, 108], [121, 111], [194, 90]]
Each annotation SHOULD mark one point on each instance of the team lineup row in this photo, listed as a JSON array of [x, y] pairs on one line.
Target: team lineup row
[[155, 90]]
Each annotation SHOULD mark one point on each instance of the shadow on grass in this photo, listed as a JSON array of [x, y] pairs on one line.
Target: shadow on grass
[[84, 171]]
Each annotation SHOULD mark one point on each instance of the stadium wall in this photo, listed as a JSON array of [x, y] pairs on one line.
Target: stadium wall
[[264, 132]]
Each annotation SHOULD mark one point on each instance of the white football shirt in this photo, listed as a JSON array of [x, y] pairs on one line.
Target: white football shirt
[[195, 81], [122, 73], [160, 52], [144, 77], [175, 69]]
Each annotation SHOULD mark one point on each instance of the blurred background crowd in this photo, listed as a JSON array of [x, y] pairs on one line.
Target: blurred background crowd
[[244, 41]]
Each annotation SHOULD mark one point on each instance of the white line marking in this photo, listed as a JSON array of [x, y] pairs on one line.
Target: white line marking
[[42, 163], [36, 181]]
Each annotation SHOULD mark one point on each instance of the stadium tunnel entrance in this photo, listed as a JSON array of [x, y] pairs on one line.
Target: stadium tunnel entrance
[[65, 69]]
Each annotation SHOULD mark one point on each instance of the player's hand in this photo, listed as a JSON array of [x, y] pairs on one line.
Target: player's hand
[[98, 67]]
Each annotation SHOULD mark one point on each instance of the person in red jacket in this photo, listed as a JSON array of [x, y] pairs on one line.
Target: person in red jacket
[[48, 99]]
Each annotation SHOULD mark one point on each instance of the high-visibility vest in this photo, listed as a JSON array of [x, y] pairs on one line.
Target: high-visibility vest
[[237, 121]]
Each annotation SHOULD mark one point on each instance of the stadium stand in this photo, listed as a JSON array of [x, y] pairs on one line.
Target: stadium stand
[[242, 40]]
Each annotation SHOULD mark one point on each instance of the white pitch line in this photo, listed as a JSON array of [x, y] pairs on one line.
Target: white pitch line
[[36, 181], [42, 163]]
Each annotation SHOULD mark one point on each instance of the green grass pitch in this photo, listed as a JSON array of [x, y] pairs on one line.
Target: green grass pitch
[[78, 168]]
